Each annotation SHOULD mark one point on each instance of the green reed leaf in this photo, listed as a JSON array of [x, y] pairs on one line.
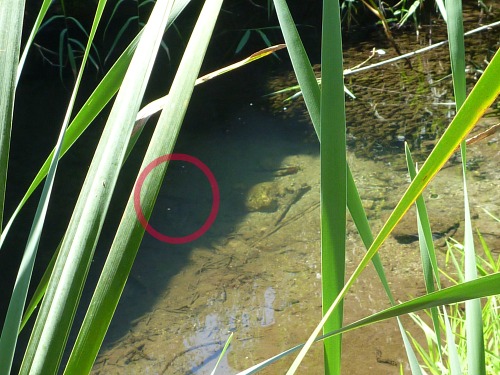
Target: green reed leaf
[[333, 179], [130, 232]]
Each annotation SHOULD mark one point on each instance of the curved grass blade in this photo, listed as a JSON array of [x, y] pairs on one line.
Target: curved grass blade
[[11, 19], [243, 41], [119, 36], [130, 232]]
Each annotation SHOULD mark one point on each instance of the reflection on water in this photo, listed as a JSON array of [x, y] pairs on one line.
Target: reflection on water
[[205, 347], [256, 272], [268, 313]]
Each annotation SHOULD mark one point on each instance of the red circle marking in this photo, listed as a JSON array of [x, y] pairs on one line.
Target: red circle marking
[[215, 197]]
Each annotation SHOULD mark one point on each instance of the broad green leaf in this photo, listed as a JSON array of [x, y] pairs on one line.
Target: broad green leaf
[[473, 315], [333, 180], [11, 19]]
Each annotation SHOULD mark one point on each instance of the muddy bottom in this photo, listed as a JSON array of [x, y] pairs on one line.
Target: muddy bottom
[[257, 272]]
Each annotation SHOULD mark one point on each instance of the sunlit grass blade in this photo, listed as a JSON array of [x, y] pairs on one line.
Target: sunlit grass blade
[[333, 179], [129, 234], [11, 19], [453, 357], [223, 352], [473, 315], [484, 93], [431, 275], [157, 105], [40, 289]]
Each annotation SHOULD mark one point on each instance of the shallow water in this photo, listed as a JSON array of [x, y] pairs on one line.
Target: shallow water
[[256, 272]]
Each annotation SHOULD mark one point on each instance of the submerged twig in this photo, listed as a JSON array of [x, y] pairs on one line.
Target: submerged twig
[[413, 53]]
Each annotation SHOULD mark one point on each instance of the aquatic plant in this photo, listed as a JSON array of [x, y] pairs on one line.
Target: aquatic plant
[[455, 318], [65, 278], [71, 42]]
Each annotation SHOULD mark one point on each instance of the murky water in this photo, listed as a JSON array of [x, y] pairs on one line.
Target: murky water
[[256, 272]]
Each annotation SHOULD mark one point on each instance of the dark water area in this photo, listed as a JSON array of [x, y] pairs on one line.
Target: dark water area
[[256, 271]]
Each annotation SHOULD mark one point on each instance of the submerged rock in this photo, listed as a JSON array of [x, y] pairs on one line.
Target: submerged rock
[[263, 197]]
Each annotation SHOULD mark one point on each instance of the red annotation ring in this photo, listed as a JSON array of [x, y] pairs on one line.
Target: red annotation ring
[[215, 198]]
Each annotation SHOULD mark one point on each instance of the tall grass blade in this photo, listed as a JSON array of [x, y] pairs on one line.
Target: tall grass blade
[[481, 97], [11, 19], [56, 314], [130, 232], [333, 179], [473, 314], [300, 62], [454, 359], [427, 251]]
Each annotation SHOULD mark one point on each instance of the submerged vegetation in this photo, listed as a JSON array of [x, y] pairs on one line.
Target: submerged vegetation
[[49, 311]]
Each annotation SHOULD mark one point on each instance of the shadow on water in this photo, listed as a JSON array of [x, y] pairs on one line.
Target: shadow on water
[[243, 149]]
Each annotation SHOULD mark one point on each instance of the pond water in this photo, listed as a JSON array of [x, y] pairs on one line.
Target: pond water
[[256, 272]]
